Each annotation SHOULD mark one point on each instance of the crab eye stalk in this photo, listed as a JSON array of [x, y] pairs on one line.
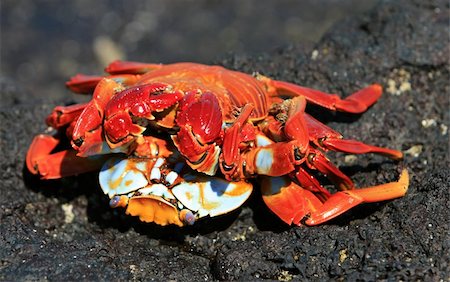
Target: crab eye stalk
[[118, 201], [78, 142], [227, 167], [187, 217]]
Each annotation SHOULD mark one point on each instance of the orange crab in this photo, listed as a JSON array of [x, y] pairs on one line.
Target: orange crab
[[181, 141]]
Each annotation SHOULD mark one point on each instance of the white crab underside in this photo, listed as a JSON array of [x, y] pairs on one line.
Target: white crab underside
[[203, 195]]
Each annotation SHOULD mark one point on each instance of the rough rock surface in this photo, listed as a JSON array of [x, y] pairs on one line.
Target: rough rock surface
[[64, 230]]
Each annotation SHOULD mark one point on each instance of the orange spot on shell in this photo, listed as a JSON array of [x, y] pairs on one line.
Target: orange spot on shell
[[130, 165], [241, 188], [206, 205]]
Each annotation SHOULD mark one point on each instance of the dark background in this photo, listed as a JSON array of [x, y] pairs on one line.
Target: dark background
[[45, 42], [64, 230]]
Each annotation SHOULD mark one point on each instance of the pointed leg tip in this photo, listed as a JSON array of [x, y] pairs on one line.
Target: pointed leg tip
[[377, 88], [395, 155]]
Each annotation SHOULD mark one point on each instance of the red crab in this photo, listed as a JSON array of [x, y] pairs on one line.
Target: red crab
[[215, 118]]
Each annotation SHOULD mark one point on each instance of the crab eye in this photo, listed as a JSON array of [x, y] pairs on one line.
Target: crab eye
[[118, 201], [187, 217], [78, 142], [227, 167], [114, 202]]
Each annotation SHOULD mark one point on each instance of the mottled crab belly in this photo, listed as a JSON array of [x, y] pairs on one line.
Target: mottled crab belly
[[211, 195], [203, 195]]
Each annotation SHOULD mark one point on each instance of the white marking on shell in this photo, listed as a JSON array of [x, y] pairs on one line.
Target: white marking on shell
[[262, 140], [212, 170], [105, 149], [121, 149], [157, 190], [264, 161], [159, 162], [171, 177], [155, 174], [211, 196], [116, 177]]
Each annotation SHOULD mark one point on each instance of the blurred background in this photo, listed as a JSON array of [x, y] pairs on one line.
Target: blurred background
[[45, 42]]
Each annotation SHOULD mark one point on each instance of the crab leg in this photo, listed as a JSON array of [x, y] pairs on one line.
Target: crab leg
[[296, 127], [47, 165], [125, 73], [316, 160], [231, 154], [356, 103], [310, 183], [341, 202], [296, 205], [41, 161], [64, 115], [327, 138], [274, 159], [85, 84], [127, 67], [356, 147]]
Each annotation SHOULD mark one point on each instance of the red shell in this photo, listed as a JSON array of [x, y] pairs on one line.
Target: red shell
[[232, 89]]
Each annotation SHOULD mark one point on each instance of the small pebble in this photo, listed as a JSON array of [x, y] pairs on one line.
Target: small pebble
[[428, 122]]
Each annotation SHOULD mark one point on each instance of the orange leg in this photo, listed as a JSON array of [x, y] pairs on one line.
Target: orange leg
[[63, 118], [327, 138], [316, 160], [287, 200], [343, 201], [296, 127], [64, 115], [231, 154], [273, 159], [85, 84], [126, 67], [356, 147], [310, 183], [355, 103], [295, 205], [41, 161], [125, 73]]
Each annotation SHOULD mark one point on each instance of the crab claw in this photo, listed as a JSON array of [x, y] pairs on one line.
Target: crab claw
[[200, 122], [43, 161], [136, 104], [87, 133], [202, 112], [62, 116]]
